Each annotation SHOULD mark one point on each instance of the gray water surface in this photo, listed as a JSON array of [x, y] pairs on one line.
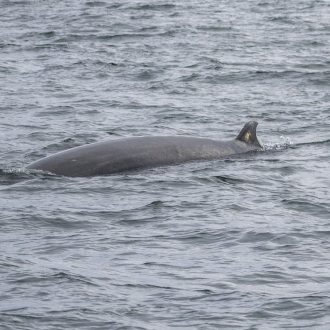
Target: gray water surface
[[241, 243]]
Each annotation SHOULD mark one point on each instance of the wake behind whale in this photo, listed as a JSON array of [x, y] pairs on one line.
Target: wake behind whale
[[134, 153]]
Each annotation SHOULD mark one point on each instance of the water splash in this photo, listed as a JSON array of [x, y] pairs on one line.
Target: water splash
[[284, 143]]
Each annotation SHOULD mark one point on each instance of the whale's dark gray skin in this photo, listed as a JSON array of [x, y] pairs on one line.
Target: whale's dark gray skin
[[133, 153]]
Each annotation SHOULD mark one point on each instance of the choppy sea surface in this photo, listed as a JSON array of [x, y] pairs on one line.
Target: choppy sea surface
[[239, 243]]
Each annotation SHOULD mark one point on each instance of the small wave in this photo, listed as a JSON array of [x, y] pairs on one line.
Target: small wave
[[139, 35], [311, 207], [73, 278], [312, 143], [67, 222], [61, 276], [14, 177], [222, 179], [95, 4], [282, 19], [214, 28], [154, 7], [11, 176], [253, 236], [48, 34], [227, 179]]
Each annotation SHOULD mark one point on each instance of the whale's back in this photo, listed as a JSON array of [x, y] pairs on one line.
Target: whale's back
[[142, 152], [131, 153]]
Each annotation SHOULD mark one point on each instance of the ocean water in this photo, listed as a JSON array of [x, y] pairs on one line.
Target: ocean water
[[240, 243]]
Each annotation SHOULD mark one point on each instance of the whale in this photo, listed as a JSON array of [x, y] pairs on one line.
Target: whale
[[135, 153]]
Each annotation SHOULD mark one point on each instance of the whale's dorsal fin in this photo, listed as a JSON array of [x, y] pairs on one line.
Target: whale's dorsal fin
[[248, 134]]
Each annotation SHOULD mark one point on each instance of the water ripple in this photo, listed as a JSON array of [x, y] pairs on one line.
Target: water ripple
[[240, 243]]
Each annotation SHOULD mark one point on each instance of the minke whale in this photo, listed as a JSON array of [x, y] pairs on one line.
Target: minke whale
[[133, 153]]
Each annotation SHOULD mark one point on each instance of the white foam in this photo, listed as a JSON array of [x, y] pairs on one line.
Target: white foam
[[284, 143]]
